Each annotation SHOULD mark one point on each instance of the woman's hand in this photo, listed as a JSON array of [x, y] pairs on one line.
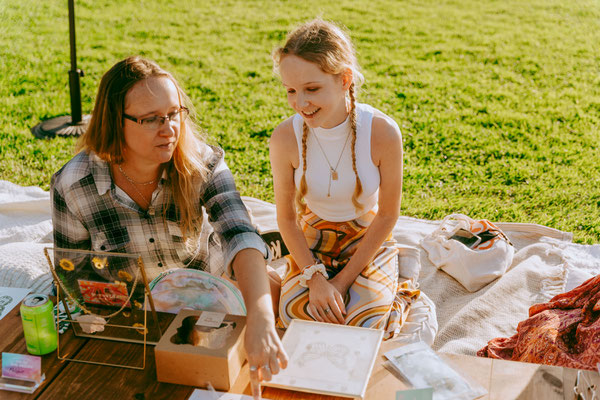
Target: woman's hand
[[266, 356], [325, 300], [264, 350]]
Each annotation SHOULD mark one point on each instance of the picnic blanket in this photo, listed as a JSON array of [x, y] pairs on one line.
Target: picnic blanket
[[25, 229], [546, 263]]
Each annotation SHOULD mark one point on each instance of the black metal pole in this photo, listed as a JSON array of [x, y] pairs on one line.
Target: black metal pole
[[74, 73], [76, 123]]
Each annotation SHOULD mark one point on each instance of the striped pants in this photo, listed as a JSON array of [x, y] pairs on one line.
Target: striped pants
[[375, 299]]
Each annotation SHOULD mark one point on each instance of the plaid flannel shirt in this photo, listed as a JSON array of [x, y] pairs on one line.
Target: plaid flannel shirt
[[90, 212]]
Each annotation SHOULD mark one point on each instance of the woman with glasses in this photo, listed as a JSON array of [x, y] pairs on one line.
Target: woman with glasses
[[140, 184]]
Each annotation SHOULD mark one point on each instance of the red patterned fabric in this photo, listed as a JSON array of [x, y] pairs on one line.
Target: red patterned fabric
[[564, 332]]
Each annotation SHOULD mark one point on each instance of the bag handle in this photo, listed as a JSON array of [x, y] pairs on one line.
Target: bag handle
[[463, 220]]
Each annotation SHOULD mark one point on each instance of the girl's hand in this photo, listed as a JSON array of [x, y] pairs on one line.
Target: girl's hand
[[341, 287], [325, 301]]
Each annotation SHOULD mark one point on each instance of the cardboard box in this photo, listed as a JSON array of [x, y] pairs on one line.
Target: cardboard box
[[217, 356]]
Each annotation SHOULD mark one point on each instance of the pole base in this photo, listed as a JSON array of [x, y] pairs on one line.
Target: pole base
[[60, 126]]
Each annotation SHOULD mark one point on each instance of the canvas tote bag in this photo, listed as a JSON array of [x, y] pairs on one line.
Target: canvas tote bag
[[474, 252]]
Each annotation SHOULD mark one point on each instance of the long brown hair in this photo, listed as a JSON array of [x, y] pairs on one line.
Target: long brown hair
[[105, 135], [326, 45]]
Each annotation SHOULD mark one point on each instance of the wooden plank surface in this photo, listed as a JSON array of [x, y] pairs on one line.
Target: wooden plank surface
[[504, 380], [88, 381], [514, 380], [473, 369], [13, 341]]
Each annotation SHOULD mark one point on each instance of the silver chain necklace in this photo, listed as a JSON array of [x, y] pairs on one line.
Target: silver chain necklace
[[133, 183], [333, 175]]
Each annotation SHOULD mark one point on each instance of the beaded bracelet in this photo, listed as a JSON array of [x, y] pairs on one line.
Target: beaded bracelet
[[308, 272]]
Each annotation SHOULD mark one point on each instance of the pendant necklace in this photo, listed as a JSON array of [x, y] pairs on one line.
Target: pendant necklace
[[134, 183], [333, 175]]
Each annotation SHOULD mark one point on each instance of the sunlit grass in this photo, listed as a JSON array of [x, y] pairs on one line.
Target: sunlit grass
[[498, 101]]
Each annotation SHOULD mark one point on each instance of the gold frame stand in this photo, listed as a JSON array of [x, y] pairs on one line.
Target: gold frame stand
[[147, 300]]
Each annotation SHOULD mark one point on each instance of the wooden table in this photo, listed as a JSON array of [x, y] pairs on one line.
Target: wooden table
[[504, 380]]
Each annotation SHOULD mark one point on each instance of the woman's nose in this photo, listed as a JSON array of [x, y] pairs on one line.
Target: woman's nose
[[168, 127]]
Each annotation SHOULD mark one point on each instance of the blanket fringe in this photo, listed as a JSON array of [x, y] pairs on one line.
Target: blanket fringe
[[556, 282]]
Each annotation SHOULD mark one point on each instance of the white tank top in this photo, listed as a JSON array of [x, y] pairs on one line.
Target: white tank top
[[338, 207]]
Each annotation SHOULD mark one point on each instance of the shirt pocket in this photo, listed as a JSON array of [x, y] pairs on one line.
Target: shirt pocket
[[178, 243], [113, 241], [116, 240]]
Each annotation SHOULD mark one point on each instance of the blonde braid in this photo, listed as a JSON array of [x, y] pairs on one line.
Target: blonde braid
[[303, 187], [358, 189]]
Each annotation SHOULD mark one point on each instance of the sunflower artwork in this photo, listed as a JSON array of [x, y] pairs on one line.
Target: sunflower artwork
[[96, 279], [111, 300], [107, 285]]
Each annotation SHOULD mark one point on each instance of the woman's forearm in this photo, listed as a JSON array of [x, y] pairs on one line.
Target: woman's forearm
[[251, 273]]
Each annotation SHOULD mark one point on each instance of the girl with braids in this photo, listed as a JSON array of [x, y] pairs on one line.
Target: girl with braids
[[337, 171]]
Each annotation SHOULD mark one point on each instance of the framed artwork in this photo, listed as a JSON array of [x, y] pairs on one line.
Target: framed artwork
[[328, 359], [104, 296]]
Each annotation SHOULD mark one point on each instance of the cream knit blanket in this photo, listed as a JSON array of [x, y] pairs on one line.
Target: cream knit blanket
[[546, 263]]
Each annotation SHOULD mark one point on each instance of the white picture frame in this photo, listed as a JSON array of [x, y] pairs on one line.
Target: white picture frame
[[328, 359], [10, 298]]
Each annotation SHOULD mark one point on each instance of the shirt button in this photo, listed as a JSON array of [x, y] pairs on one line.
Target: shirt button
[[103, 247], [160, 265], [151, 240]]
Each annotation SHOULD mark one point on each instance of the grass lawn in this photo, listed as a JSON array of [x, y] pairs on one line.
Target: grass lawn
[[498, 100]]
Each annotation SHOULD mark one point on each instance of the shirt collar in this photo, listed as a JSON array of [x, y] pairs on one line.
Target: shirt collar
[[100, 171]]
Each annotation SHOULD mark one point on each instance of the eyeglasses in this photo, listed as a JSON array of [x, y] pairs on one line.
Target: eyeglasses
[[155, 121], [589, 390]]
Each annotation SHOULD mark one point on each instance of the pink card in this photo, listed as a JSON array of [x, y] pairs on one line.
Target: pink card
[[21, 366]]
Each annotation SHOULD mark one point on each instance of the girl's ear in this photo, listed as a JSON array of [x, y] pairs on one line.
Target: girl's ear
[[347, 76]]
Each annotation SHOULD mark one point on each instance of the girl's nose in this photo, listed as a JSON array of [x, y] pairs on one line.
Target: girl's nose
[[301, 100]]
